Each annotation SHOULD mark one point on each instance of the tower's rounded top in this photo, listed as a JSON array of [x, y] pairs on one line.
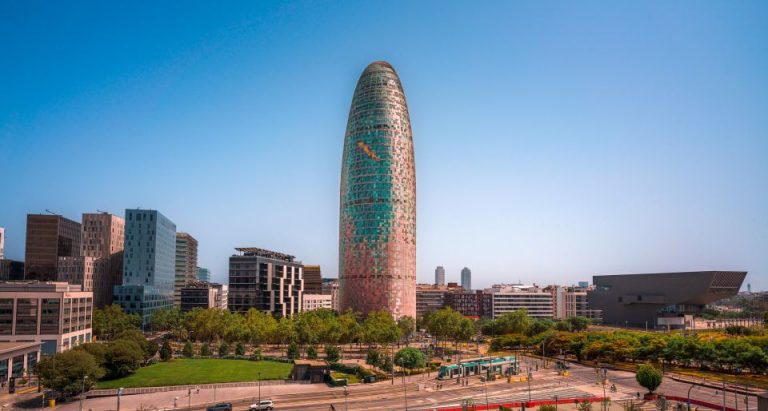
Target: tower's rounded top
[[380, 63]]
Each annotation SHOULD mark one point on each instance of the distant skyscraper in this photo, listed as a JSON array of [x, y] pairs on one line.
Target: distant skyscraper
[[149, 268], [186, 264], [103, 237], [466, 279], [439, 275], [2, 243], [48, 238], [377, 224], [204, 274]]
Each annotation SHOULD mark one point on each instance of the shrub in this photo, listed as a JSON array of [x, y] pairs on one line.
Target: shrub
[[239, 349], [223, 349], [187, 351], [311, 352], [332, 353], [293, 351], [205, 350], [547, 407], [373, 358], [256, 355], [166, 353]]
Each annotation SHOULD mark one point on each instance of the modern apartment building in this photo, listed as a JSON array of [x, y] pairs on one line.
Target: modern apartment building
[[204, 274], [466, 279], [313, 280], [331, 287], [186, 264], [432, 298], [199, 294], [149, 263], [266, 280], [311, 302], [48, 238], [57, 315], [506, 298], [573, 302], [439, 276]]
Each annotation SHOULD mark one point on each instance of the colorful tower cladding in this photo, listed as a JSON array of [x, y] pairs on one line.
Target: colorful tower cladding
[[377, 224]]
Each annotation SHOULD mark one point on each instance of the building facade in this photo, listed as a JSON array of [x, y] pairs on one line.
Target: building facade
[[204, 274], [439, 276], [313, 280], [377, 224], [660, 300], [11, 270], [57, 315], [149, 263], [331, 287], [573, 302], [48, 238], [466, 279], [103, 239], [266, 280], [316, 301], [199, 294], [432, 298], [506, 298], [2, 243], [470, 304], [17, 359], [186, 264]]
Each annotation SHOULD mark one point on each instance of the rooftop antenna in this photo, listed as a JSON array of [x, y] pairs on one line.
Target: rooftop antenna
[[50, 212]]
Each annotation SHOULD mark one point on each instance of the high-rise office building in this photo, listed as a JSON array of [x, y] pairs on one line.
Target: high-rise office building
[[149, 263], [439, 275], [466, 279], [377, 224], [313, 280], [186, 264], [48, 238], [266, 280], [199, 294], [103, 237], [99, 266], [204, 274], [2, 243]]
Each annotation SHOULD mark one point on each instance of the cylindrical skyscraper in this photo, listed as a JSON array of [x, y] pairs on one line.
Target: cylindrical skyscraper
[[377, 224]]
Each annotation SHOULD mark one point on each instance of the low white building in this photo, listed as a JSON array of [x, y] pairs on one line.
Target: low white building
[[511, 297], [316, 301]]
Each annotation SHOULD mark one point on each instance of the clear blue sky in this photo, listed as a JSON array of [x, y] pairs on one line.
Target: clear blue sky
[[554, 140]]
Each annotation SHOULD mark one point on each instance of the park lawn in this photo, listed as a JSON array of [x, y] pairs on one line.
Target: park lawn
[[351, 378], [184, 371]]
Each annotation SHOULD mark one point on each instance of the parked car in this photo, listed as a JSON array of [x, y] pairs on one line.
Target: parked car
[[222, 406], [263, 405]]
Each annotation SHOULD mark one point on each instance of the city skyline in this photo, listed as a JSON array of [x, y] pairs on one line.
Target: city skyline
[[543, 143]]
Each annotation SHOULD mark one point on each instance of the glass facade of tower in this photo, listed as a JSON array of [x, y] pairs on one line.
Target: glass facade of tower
[[377, 227]]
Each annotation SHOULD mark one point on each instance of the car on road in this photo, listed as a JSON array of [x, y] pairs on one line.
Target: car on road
[[262, 405], [222, 406]]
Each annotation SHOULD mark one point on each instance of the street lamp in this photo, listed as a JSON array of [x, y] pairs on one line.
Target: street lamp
[[346, 394], [189, 398], [555, 402], [605, 379], [119, 393], [85, 378], [259, 375], [530, 375]]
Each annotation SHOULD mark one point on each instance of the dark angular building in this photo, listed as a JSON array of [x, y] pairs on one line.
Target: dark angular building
[[48, 238], [265, 280], [377, 224], [471, 304], [660, 299], [313, 280], [11, 270]]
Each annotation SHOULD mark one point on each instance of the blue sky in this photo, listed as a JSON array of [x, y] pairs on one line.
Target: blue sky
[[554, 140]]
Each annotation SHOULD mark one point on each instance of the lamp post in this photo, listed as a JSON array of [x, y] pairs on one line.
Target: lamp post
[[530, 375], [346, 394], [189, 398], [119, 393], [259, 376], [605, 379], [555, 402], [82, 393]]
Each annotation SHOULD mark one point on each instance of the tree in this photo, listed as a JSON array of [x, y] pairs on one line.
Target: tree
[[577, 324], [516, 322], [648, 377], [223, 349], [64, 372], [123, 357], [293, 351], [239, 349], [110, 321], [205, 350], [98, 351], [166, 352], [188, 350], [410, 358], [311, 352], [374, 357], [332, 353], [380, 327], [407, 326]]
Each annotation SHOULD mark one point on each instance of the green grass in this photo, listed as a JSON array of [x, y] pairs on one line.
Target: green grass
[[200, 371], [351, 378]]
